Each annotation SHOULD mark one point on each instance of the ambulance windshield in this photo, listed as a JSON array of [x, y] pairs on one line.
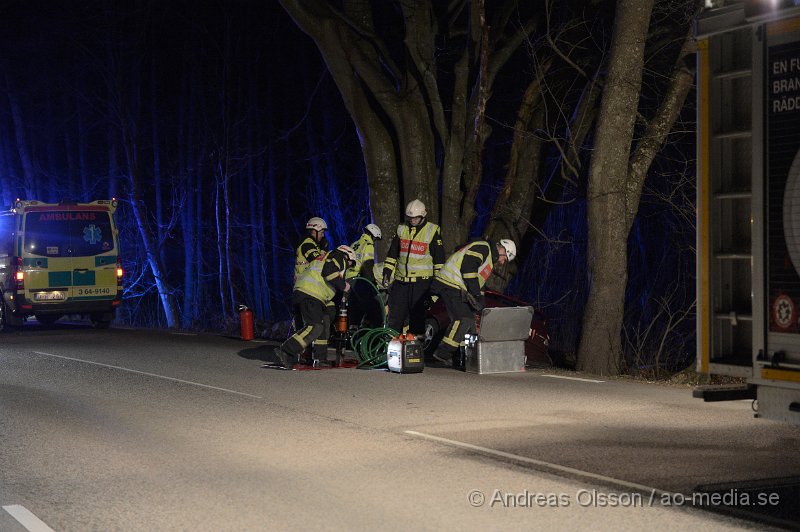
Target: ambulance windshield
[[68, 233]]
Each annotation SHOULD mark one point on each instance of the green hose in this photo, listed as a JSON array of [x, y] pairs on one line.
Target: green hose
[[370, 345]]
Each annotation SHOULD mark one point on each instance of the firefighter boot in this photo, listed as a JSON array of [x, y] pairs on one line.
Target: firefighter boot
[[321, 358], [444, 358], [282, 360]]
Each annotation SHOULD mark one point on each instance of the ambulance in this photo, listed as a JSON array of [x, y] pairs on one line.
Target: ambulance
[[59, 259]]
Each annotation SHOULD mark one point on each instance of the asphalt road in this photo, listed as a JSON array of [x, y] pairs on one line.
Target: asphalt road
[[142, 430]]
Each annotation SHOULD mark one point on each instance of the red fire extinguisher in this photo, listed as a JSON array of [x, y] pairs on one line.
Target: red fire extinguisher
[[246, 322]]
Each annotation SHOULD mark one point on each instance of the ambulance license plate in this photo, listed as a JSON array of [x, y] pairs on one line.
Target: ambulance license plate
[[48, 296]]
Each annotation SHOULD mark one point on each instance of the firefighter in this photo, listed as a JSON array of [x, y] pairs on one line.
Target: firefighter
[[313, 245], [415, 255], [364, 309], [365, 253], [460, 283], [313, 292]]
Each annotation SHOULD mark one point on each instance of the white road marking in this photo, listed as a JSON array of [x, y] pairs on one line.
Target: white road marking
[[183, 333], [26, 518], [570, 378], [654, 493], [150, 374]]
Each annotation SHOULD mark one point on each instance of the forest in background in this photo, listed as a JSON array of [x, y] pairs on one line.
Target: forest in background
[[221, 131]]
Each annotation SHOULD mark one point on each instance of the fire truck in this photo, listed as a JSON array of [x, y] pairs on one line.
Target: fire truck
[[748, 203]]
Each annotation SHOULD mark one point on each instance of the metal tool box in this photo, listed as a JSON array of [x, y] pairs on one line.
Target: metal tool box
[[499, 346]]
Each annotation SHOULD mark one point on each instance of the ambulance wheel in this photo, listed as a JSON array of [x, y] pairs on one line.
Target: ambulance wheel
[[47, 319], [3, 315], [8, 322]]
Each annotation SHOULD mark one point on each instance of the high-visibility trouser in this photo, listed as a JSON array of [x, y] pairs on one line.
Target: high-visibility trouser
[[320, 345], [462, 318], [315, 329], [406, 300]]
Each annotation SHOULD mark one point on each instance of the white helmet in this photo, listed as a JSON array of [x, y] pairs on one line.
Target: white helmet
[[316, 223], [510, 247], [374, 230], [416, 208], [347, 250]]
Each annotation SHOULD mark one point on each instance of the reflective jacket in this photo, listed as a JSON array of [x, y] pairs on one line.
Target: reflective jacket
[[365, 258], [469, 267], [323, 277], [415, 252], [306, 252]]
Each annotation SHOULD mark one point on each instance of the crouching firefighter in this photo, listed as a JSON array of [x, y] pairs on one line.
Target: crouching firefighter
[[460, 283], [313, 293]]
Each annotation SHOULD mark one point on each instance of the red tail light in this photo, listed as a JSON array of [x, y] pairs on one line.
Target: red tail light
[[19, 275]]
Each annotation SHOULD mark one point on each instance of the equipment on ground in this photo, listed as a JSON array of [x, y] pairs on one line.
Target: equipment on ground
[[404, 355], [246, 322], [499, 345], [342, 334]]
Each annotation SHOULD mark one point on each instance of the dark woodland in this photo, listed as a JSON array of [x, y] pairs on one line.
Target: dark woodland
[[222, 126]]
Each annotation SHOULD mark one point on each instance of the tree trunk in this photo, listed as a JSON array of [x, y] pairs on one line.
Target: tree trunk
[[189, 172], [453, 167], [228, 247], [376, 145], [600, 349], [219, 224], [416, 153], [28, 171], [274, 237], [130, 122], [187, 228], [140, 215], [473, 164], [6, 193], [157, 184], [113, 156], [83, 165], [199, 216]]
